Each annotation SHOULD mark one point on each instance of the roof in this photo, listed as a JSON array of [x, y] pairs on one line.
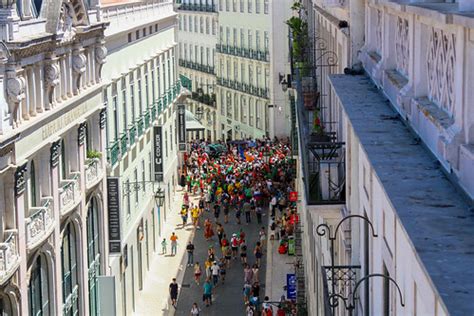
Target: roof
[[435, 216]]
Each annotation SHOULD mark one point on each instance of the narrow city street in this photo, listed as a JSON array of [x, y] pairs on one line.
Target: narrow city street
[[227, 297]]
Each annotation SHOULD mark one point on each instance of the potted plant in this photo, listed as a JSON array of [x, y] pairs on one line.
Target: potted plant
[[93, 154], [317, 134]]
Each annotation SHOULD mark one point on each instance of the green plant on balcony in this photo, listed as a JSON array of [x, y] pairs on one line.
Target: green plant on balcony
[[299, 31], [91, 154]]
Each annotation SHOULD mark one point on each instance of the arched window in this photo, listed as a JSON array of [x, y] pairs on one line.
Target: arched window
[[69, 268], [5, 306], [33, 192], [93, 254], [38, 288]]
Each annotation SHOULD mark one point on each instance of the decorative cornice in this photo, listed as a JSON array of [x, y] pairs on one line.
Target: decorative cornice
[[20, 180]]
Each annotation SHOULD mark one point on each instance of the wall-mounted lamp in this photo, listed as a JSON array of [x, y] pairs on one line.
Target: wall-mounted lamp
[[285, 81]]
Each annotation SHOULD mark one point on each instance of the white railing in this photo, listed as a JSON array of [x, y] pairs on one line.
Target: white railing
[[69, 193], [9, 258], [124, 15], [94, 172], [39, 224]]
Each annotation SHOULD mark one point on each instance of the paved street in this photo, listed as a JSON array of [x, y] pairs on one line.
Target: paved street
[[228, 297]]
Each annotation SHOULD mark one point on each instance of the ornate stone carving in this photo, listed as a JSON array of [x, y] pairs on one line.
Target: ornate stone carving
[[102, 118], [79, 67], [6, 4], [54, 158], [65, 25], [402, 46], [81, 133], [100, 54], [51, 80], [440, 62], [15, 86], [20, 180]]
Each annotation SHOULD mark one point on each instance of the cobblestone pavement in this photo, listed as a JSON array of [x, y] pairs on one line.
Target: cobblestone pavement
[[227, 297]]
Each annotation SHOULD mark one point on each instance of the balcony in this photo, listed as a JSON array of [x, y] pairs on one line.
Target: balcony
[[196, 66], [140, 126], [243, 87], [94, 172], [132, 134], [197, 7], [208, 99], [39, 224], [69, 193], [186, 82], [243, 52], [124, 16], [113, 152], [9, 258]]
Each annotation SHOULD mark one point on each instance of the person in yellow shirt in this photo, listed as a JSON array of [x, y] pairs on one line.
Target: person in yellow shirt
[[195, 216]]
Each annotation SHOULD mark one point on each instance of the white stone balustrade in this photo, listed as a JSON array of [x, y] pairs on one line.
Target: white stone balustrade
[[125, 16], [421, 56], [39, 224], [94, 172], [69, 193], [9, 258]]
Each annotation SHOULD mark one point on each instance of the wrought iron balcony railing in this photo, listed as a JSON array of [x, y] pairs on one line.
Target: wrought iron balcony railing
[[197, 7], [254, 54], [196, 66], [244, 87], [208, 99]]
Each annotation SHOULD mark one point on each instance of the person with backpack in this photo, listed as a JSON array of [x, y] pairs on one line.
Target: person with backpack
[[243, 251]]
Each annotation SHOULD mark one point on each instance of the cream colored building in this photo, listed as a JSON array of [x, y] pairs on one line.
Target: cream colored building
[[399, 127], [52, 173], [241, 40], [197, 39], [141, 91]]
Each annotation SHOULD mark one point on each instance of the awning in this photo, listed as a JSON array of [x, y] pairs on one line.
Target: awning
[[192, 124]]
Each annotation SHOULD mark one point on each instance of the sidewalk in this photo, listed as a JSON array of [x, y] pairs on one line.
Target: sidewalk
[[277, 267], [154, 298]]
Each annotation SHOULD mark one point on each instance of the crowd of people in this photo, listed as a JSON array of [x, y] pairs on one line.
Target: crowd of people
[[240, 184]]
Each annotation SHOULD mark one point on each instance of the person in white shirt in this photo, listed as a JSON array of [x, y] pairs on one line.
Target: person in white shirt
[[215, 272]]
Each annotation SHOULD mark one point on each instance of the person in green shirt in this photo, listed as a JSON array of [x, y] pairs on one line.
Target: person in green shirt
[[207, 296]]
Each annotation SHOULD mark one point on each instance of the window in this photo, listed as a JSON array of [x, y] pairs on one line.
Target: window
[[236, 106], [150, 30], [220, 5], [249, 39], [221, 35], [166, 144], [147, 94], [129, 202], [137, 34], [214, 27], [180, 18], [93, 255], [129, 37], [144, 32], [70, 281], [132, 96], [229, 105], [242, 72], [201, 25], [143, 174], [257, 40], [267, 78], [227, 5], [153, 93], [234, 5], [33, 192], [243, 109], [251, 111], [251, 75], [242, 6], [115, 113], [135, 176], [227, 35], [124, 103], [150, 165], [38, 288], [140, 102], [222, 103], [190, 23], [63, 161], [259, 75], [258, 121], [202, 56], [196, 24], [185, 23], [208, 56], [249, 6], [208, 29], [265, 6], [156, 27], [234, 37], [171, 138], [257, 6], [266, 41], [242, 38], [228, 69]]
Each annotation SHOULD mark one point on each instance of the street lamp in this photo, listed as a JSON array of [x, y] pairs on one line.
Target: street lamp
[[159, 196], [199, 113]]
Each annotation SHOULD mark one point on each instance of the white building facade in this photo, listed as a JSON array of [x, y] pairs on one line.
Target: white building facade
[[141, 90], [241, 39], [399, 125], [197, 38], [52, 178]]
